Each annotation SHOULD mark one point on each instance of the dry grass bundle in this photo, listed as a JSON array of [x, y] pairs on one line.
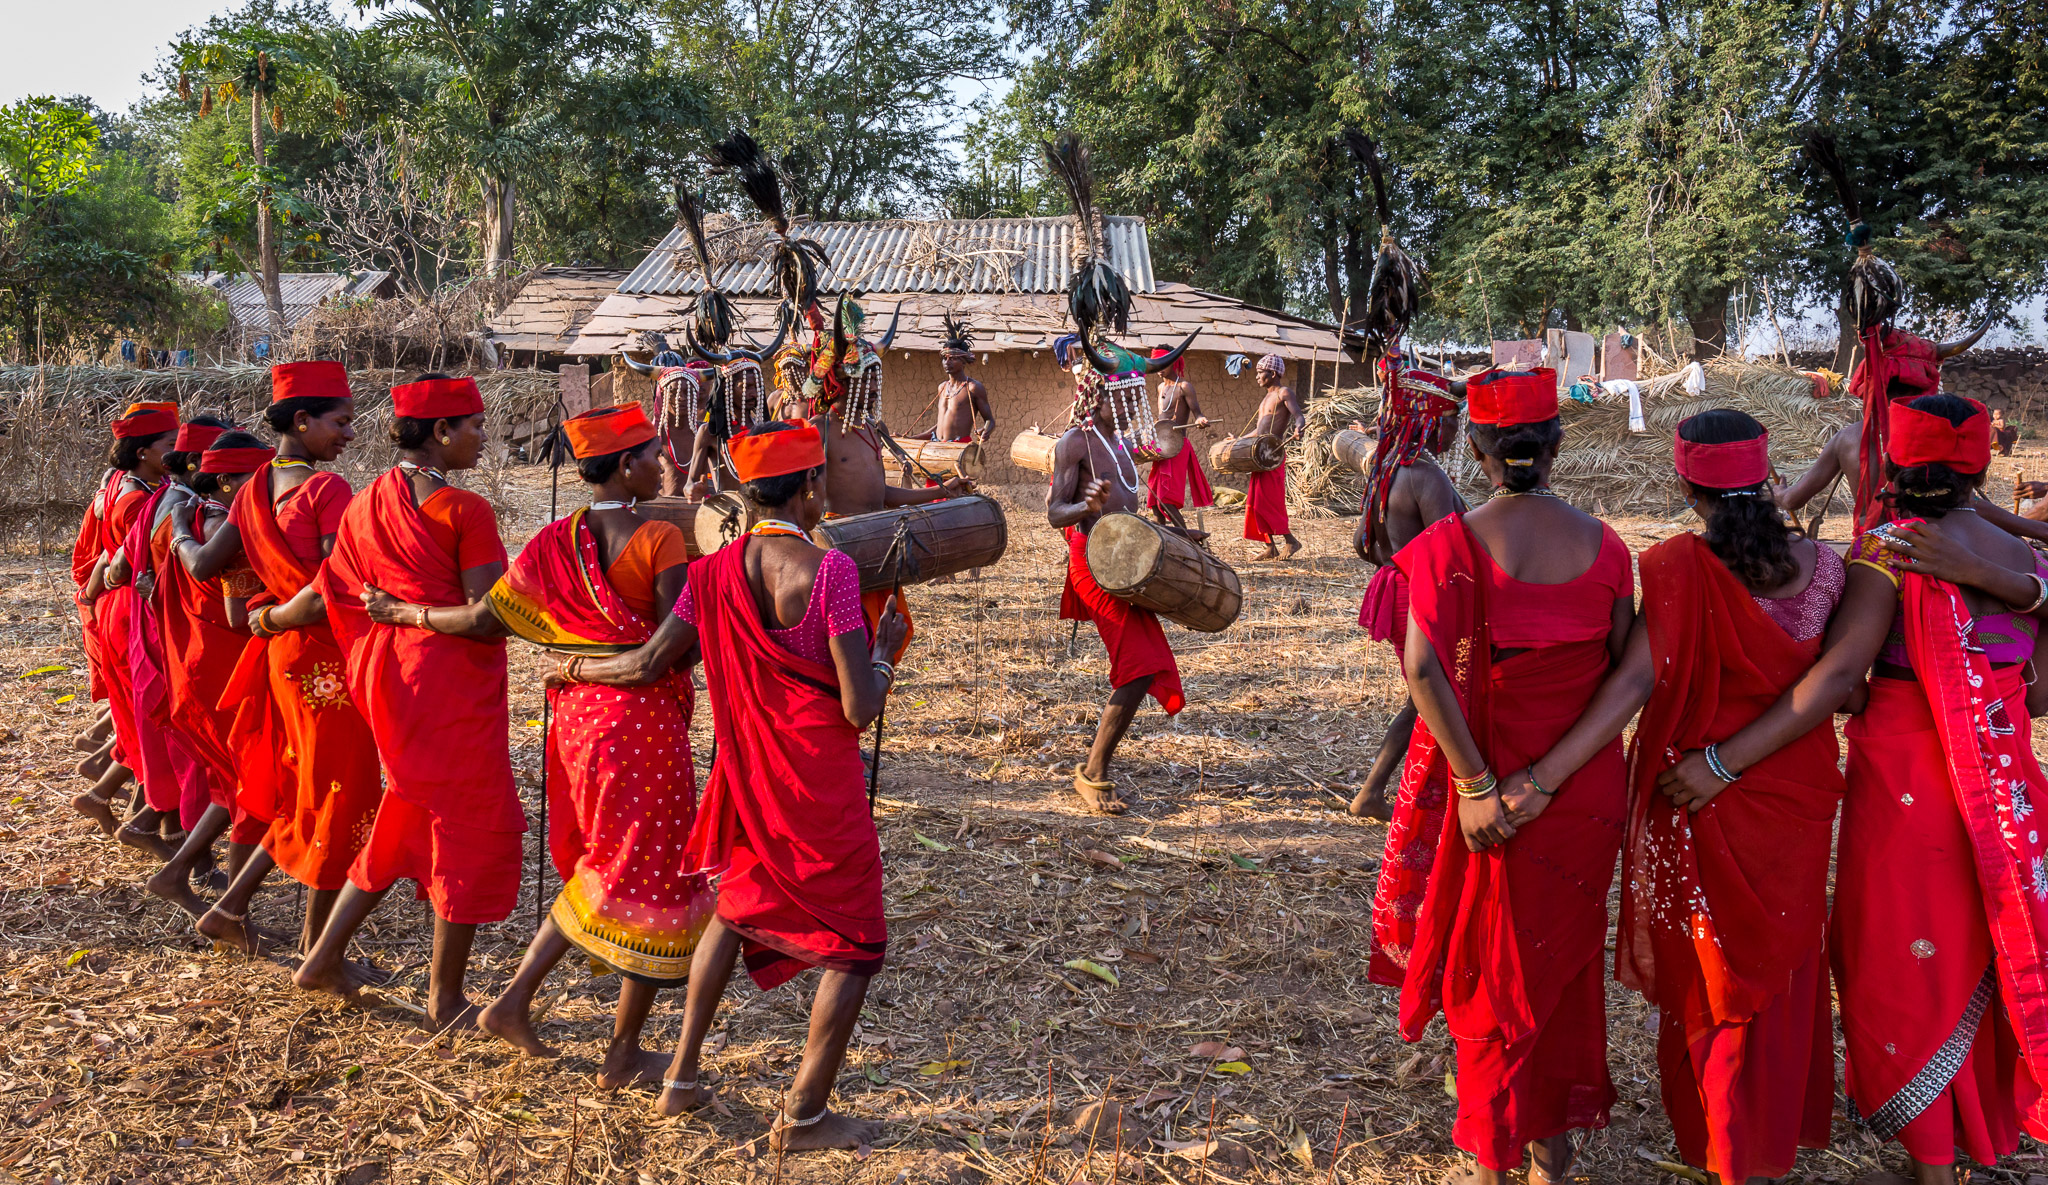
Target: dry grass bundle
[[54, 438], [444, 332], [1318, 483]]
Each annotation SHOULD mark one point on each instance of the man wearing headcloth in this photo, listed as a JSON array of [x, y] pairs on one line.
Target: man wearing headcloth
[[1280, 416], [1405, 492], [962, 400], [1175, 477], [1094, 474]]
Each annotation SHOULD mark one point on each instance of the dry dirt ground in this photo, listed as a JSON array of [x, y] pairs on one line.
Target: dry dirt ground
[[1229, 1024]]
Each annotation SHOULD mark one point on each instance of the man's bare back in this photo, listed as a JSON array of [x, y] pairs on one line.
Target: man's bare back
[[1422, 494], [855, 481]]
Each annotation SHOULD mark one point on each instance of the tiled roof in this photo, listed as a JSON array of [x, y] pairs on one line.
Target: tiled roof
[[552, 305]]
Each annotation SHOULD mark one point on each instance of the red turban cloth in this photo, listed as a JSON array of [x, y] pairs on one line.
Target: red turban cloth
[[171, 407], [1734, 465], [437, 399], [759, 454], [309, 380], [603, 431], [1180, 365], [197, 438], [155, 422], [1926, 438], [235, 460], [1500, 397]]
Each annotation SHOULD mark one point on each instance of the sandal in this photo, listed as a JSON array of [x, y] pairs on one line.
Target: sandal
[[1100, 796]]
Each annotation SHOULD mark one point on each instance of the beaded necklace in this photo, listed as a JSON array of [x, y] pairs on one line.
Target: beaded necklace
[[615, 505], [429, 470], [776, 526]]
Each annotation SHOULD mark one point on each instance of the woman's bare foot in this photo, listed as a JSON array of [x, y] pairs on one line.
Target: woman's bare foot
[[173, 886], [147, 841], [514, 1026], [1372, 804], [1293, 545], [832, 1131], [632, 1066], [93, 768], [674, 1102], [334, 981], [98, 809], [242, 935]]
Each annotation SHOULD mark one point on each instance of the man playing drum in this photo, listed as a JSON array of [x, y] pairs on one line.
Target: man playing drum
[[1094, 474], [1265, 507], [1172, 478]]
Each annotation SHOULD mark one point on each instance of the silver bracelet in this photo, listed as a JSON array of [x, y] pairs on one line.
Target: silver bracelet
[[1713, 755], [887, 668], [2040, 597]]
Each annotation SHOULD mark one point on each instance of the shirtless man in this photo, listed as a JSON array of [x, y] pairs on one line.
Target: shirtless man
[[1843, 455], [962, 400], [1405, 493], [1093, 475], [1172, 478], [1281, 417]]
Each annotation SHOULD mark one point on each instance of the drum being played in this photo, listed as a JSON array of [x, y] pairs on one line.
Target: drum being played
[[1353, 449], [680, 511], [912, 544], [719, 520], [944, 458], [1257, 453], [1154, 567], [1033, 450]]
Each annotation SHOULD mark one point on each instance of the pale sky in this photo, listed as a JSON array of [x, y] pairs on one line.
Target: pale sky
[[96, 48]]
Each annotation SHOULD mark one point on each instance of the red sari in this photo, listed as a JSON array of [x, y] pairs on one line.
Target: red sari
[[621, 786], [1940, 972], [1507, 942], [785, 821], [1724, 910], [450, 819], [85, 555], [307, 761], [174, 775], [113, 616]]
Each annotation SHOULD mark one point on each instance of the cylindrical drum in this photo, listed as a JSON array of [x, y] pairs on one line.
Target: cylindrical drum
[[1033, 450], [1353, 449], [719, 520], [1135, 559], [944, 458], [1247, 454], [680, 511], [1171, 439], [910, 544]]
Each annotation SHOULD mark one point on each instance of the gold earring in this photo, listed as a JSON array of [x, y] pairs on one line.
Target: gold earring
[[447, 440]]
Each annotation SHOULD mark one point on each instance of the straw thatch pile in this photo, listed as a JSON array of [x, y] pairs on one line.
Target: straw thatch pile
[[1604, 467], [54, 438]]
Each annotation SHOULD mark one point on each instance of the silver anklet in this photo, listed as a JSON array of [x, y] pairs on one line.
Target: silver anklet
[[788, 1122], [672, 1084]]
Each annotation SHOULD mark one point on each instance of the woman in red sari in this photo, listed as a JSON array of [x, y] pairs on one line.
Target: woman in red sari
[[1940, 924], [1517, 611], [1724, 899], [303, 754], [793, 676], [205, 629], [450, 819]]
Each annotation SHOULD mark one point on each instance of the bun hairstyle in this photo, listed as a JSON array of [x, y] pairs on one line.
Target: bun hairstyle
[[770, 492], [1745, 528], [282, 414], [1933, 489], [186, 465], [603, 467], [411, 432], [127, 451], [1521, 447]]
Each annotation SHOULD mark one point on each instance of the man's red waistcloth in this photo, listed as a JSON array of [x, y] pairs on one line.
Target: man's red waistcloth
[[436, 704], [1508, 942], [1265, 505], [1723, 907], [1134, 638], [784, 816], [1172, 479], [1383, 615], [1940, 973]]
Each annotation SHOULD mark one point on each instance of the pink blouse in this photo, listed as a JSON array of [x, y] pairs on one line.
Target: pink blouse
[[834, 609], [1804, 615]]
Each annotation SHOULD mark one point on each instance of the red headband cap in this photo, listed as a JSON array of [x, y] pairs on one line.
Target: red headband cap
[[155, 422], [168, 406], [1511, 396], [602, 431], [309, 380], [235, 460], [1925, 438], [437, 399], [1733, 465], [759, 454], [197, 438]]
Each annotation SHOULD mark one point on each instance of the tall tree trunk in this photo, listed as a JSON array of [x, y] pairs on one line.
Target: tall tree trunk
[[500, 204], [266, 237], [1708, 316], [1845, 334], [1333, 275]]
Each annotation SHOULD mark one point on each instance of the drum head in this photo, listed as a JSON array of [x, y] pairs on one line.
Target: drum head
[[721, 519], [1123, 551]]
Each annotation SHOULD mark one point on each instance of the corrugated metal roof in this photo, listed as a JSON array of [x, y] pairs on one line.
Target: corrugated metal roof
[[301, 292], [903, 255]]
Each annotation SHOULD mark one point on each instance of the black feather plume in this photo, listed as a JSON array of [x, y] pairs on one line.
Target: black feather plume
[[1097, 295], [957, 334], [1875, 290], [1369, 153], [740, 154], [714, 311]]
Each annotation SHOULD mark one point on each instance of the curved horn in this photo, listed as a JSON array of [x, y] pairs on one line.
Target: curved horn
[[763, 353], [882, 347], [1102, 365], [701, 350], [1951, 349], [1155, 365], [635, 366]]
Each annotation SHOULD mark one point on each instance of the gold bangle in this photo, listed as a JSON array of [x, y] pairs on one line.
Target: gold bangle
[[1482, 786], [1483, 775]]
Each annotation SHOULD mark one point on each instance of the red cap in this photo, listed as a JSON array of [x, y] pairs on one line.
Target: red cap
[[155, 422], [603, 431], [1925, 438], [235, 460], [309, 380], [1733, 465], [197, 438], [437, 399], [759, 454], [164, 406], [1511, 396]]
